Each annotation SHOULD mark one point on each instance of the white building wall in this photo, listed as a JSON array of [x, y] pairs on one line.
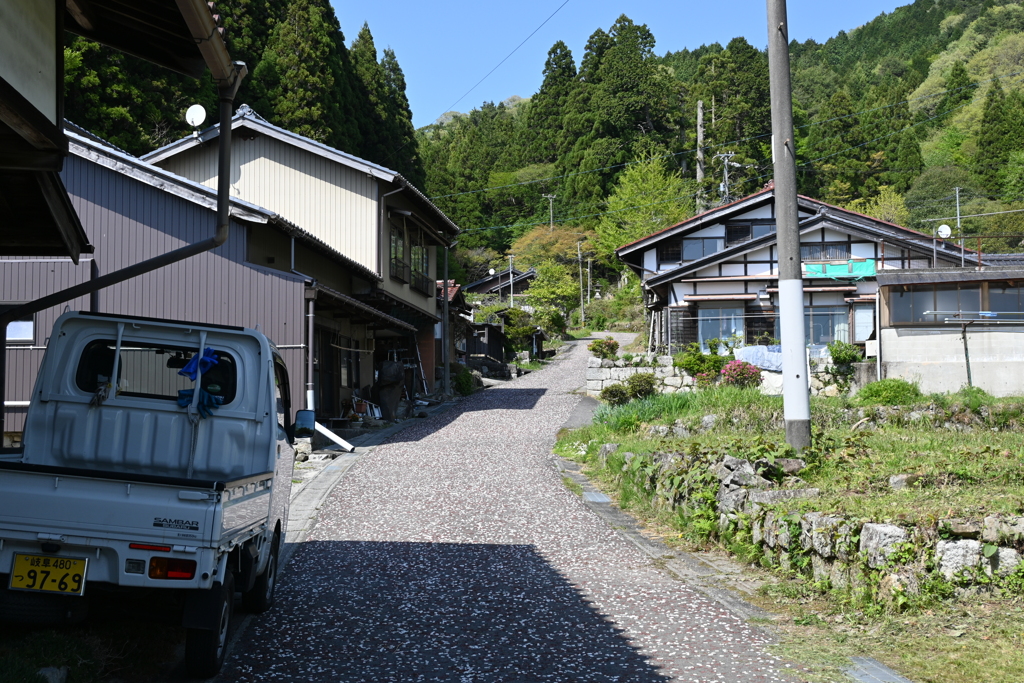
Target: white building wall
[[935, 359], [651, 260]]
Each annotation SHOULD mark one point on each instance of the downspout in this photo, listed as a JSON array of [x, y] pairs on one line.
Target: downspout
[[227, 96]]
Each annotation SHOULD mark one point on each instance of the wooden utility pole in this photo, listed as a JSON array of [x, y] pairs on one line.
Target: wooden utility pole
[[795, 392], [579, 260]]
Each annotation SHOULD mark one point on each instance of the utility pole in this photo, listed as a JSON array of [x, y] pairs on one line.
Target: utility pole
[[511, 291], [795, 393], [959, 230], [446, 384], [590, 272], [700, 155], [551, 210], [579, 259], [726, 158]]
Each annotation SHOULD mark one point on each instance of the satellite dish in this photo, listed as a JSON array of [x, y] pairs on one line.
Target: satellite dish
[[195, 115], [491, 271], [944, 231]]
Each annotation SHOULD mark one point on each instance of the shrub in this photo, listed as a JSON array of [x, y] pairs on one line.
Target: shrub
[[840, 372], [890, 392], [597, 322], [464, 382], [615, 394], [974, 397], [641, 385], [738, 373], [695, 362], [604, 348], [705, 380]]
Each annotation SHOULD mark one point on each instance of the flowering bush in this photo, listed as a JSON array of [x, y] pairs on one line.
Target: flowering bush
[[705, 380], [606, 348], [740, 374]]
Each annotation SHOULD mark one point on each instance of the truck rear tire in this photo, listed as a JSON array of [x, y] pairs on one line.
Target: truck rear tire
[[205, 649], [261, 597]]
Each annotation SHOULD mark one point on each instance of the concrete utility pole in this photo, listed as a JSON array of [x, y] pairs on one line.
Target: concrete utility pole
[[700, 155], [446, 384], [590, 273], [959, 230], [726, 158], [551, 210], [795, 393], [579, 259], [511, 291]]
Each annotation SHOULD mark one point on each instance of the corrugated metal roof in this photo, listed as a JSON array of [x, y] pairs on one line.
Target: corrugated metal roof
[[925, 276]]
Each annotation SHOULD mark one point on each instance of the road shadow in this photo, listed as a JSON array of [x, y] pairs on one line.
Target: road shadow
[[431, 612], [502, 398]]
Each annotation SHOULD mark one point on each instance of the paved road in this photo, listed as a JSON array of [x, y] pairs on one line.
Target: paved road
[[454, 553]]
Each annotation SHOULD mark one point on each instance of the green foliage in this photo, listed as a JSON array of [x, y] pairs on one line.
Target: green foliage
[[554, 287], [641, 385], [695, 362], [889, 392], [519, 328], [647, 197], [615, 394], [606, 348], [840, 371], [464, 381]]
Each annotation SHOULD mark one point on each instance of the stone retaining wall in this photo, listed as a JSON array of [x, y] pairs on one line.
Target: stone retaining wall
[[671, 380], [843, 550]]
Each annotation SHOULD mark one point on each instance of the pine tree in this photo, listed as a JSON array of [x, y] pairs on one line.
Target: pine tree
[[959, 90], [402, 140], [993, 147], [839, 165]]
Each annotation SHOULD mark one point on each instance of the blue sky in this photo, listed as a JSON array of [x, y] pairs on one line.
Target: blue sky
[[445, 48]]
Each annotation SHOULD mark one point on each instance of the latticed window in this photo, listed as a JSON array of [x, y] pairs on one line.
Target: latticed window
[[399, 255], [826, 251]]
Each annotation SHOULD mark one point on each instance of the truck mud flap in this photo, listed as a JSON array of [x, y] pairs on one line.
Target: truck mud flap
[[203, 608]]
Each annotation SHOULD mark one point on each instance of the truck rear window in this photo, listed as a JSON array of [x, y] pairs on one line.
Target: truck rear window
[[151, 371]]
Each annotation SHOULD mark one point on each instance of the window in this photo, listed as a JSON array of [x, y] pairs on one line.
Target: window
[[282, 398], [825, 324], [825, 251], [908, 304], [1002, 298], [747, 230], [718, 323], [21, 331], [420, 279], [399, 258], [699, 247], [151, 371], [863, 322]]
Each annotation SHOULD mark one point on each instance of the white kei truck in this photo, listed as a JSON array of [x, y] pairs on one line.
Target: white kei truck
[[157, 459]]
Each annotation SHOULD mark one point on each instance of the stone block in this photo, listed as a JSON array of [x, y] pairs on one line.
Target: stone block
[[998, 529], [737, 464], [721, 471], [807, 522], [768, 529], [956, 557], [879, 541], [756, 531], [595, 385], [821, 568], [674, 382], [595, 374], [747, 480], [825, 534], [665, 360], [663, 373], [619, 363], [961, 528], [593, 362], [708, 422], [687, 380], [839, 575], [604, 451], [666, 390], [898, 482], [731, 501], [607, 363], [790, 466], [758, 498], [1003, 563]]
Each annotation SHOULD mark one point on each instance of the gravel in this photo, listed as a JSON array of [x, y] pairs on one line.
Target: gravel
[[453, 552]]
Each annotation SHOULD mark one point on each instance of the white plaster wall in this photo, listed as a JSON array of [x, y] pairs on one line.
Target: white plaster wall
[[716, 230], [719, 288], [862, 250], [732, 269], [760, 212], [651, 261], [935, 359]]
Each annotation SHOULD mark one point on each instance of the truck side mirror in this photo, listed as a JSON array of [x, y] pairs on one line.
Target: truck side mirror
[[305, 423]]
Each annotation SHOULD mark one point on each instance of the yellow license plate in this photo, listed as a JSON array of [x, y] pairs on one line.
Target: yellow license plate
[[64, 575]]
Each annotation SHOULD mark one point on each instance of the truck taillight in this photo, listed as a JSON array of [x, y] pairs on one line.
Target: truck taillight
[[147, 546], [171, 568]]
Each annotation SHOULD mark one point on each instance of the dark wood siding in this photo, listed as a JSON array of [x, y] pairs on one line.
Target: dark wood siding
[[129, 221]]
